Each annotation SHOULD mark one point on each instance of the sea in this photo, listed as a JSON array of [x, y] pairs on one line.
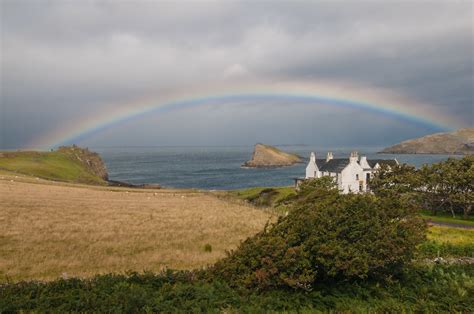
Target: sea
[[219, 167]]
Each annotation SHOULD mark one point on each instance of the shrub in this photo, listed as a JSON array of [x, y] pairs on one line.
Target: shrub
[[327, 236], [207, 248], [438, 288], [263, 199]]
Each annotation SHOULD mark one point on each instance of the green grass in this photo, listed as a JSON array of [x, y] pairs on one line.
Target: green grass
[[55, 166], [274, 197], [448, 242], [444, 217], [428, 289]]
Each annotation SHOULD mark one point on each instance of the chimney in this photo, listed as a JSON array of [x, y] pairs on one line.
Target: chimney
[[363, 162], [312, 167], [329, 156], [354, 157]]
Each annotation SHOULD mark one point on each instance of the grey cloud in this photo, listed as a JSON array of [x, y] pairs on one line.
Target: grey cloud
[[61, 60]]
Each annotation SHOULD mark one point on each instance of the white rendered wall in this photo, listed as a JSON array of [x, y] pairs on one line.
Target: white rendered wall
[[349, 183], [312, 168]]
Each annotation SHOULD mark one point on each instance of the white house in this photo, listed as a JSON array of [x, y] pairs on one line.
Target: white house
[[351, 174]]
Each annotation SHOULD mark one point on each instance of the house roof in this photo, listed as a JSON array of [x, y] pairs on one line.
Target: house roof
[[338, 164], [388, 162], [334, 165], [320, 163]]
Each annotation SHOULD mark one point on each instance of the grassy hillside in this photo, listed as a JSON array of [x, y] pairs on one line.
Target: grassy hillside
[[59, 165], [52, 229], [104, 233], [456, 142], [274, 197]]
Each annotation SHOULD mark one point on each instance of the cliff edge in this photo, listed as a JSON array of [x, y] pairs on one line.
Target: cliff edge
[[266, 156], [460, 142], [67, 164], [90, 160]]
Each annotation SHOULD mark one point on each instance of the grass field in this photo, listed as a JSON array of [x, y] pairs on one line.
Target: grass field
[[456, 236], [48, 165], [448, 242], [57, 229], [52, 229], [445, 217], [270, 197]]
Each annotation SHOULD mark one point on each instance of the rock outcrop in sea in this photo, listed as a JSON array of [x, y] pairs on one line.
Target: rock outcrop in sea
[[460, 142], [266, 156]]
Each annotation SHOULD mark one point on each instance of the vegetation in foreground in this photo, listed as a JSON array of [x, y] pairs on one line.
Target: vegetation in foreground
[[432, 289], [357, 236], [361, 257], [67, 164], [358, 260]]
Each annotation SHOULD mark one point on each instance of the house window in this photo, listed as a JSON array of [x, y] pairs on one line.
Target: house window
[[357, 177]]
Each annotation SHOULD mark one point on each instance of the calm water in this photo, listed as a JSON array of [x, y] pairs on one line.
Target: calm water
[[218, 167]]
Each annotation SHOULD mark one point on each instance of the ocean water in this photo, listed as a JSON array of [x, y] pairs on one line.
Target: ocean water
[[218, 168]]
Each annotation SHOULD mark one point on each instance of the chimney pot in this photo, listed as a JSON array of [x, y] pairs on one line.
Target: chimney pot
[[329, 156]]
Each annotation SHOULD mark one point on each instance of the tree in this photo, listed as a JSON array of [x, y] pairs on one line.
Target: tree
[[447, 185], [327, 236], [402, 181]]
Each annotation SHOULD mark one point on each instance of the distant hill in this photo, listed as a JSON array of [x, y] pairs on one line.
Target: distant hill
[[266, 156], [68, 163], [460, 142]]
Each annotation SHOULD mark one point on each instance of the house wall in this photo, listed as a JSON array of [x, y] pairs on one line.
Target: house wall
[[346, 180], [312, 168], [349, 183]]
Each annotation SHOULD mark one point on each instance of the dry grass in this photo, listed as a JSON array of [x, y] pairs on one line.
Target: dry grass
[[55, 229]]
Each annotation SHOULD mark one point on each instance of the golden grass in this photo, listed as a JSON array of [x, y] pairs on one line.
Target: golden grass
[[55, 229], [457, 236]]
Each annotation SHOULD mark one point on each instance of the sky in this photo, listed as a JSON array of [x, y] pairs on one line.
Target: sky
[[66, 62]]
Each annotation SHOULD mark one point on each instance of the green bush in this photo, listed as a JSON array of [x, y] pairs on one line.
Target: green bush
[[207, 248], [326, 236], [432, 289], [264, 198]]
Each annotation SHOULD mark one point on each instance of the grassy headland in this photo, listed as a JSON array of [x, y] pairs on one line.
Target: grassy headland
[[67, 164]]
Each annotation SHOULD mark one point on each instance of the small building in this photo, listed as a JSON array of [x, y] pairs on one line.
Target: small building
[[351, 174]]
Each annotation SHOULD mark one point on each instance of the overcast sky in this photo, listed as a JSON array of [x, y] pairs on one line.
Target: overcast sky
[[65, 61]]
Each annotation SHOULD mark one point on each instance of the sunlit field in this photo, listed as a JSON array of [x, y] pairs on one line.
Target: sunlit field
[[52, 230], [456, 236]]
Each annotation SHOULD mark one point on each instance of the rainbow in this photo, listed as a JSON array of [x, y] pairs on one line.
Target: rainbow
[[381, 102]]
